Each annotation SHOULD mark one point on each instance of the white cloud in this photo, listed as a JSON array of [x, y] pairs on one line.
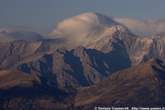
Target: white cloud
[[146, 27], [83, 28]]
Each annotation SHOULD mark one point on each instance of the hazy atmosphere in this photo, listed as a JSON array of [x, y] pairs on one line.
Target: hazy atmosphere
[[43, 15], [82, 55]]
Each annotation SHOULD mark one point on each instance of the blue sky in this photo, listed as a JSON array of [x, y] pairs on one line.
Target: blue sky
[[42, 15]]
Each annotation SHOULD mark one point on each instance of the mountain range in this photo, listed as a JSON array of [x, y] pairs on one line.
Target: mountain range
[[88, 60]]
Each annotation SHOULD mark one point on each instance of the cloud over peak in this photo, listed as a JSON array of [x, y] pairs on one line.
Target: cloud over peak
[[144, 27]]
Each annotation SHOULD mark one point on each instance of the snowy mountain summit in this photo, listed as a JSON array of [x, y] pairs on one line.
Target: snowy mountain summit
[[85, 28]]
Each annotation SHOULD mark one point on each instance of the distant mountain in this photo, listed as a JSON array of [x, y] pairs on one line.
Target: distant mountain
[[85, 28], [116, 48], [105, 34], [7, 35], [90, 59], [76, 68], [16, 52]]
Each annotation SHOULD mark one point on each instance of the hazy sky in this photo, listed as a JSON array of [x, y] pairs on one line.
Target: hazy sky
[[42, 15]]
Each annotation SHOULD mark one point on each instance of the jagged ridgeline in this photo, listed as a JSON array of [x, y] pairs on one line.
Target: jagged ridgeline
[[87, 60]]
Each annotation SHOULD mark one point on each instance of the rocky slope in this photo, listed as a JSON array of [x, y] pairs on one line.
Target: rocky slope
[[141, 85], [22, 91], [75, 63], [77, 67], [114, 49], [16, 52], [105, 34]]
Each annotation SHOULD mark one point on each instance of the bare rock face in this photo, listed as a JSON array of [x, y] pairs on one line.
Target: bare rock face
[[17, 51], [14, 53], [91, 60], [142, 85], [76, 68], [85, 29]]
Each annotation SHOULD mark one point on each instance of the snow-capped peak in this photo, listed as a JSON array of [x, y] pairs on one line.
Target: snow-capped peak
[[97, 18], [86, 28], [83, 23]]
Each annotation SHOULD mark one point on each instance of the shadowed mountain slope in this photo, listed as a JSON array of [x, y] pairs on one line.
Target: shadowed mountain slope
[[141, 85]]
